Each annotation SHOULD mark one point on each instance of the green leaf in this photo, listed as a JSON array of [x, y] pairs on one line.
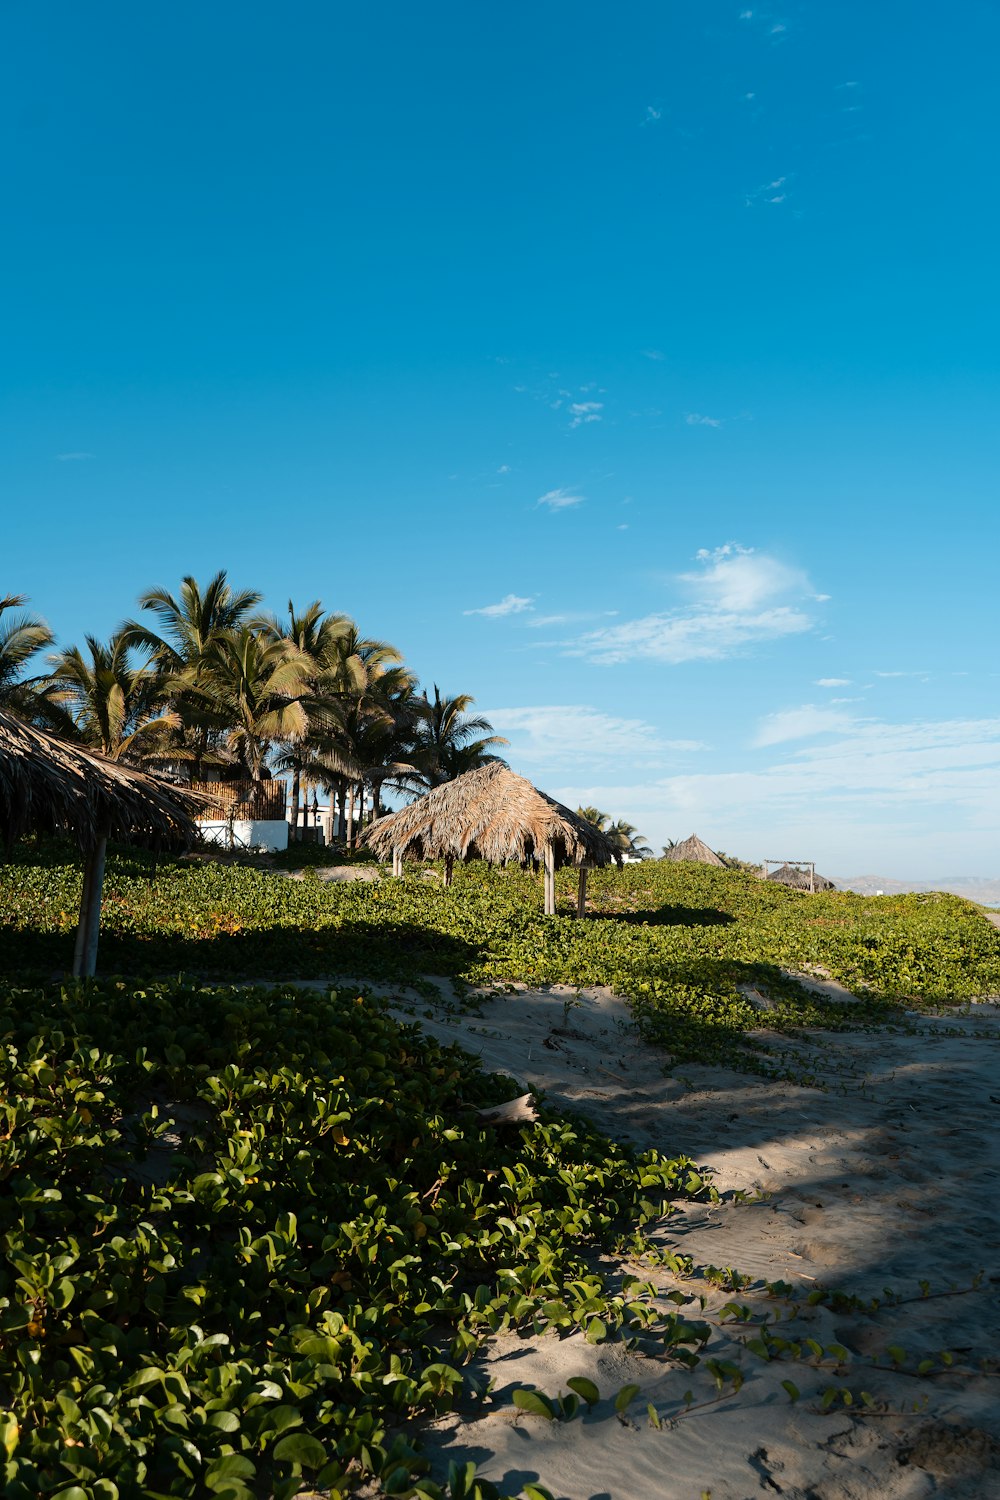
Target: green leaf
[[793, 1391], [231, 1466], [534, 1403], [300, 1448], [625, 1397], [585, 1388]]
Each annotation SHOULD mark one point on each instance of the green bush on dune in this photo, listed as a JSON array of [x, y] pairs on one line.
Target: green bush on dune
[[681, 942], [244, 1234]]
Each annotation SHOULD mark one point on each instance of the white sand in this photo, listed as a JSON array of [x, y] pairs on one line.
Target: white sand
[[886, 1178]]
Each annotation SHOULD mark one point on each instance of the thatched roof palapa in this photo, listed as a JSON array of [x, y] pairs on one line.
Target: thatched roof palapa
[[696, 849], [798, 878], [497, 816], [48, 785]]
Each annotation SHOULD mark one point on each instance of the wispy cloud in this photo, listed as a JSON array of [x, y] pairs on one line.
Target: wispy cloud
[[576, 732], [923, 675], [800, 724], [740, 598], [734, 577], [697, 419], [773, 192], [585, 411], [652, 115], [72, 458], [833, 682], [704, 637], [560, 499], [511, 604], [913, 798], [654, 354], [572, 617]]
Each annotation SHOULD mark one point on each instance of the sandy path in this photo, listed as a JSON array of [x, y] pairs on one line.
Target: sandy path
[[886, 1178]]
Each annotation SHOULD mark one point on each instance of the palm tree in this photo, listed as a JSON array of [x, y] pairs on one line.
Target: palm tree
[[191, 622], [189, 625], [322, 639], [624, 836], [373, 690], [627, 838], [445, 745], [110, 701], [595, 816], [22, 636], [257, 688]]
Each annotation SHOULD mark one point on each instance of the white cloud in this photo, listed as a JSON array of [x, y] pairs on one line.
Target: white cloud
[[832, 682], [695, 419], [800, 724], [560, 499], [69, 458], [654, 354], [652, 115], [574, 732], [504, 469], [585, 411], [917, 798], [704, 637], [740, 599], [771, 192], [738, 578], [686, 745], [511, 604], [922, 675]]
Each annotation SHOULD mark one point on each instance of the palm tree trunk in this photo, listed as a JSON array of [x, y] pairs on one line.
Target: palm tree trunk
[[349, 839], [294, 816], [342, 808]]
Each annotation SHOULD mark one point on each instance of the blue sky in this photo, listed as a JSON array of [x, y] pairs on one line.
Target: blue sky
[[635, 372]]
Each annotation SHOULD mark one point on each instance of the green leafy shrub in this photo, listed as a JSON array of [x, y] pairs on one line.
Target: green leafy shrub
[[677, 940], [245, 1233]]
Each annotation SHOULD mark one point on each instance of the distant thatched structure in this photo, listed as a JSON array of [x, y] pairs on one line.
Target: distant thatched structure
[[48, 785], [696, 849], [801, 878], [494, 815]]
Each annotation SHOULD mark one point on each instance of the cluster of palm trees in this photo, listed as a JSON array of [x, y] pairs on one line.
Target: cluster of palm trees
[[625, 836], [207, 685]]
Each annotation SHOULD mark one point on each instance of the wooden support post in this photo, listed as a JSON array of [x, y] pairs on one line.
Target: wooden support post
[[397, 863], [581, 894], [88, 932], [449, 868], [550, 881], [81, 926]]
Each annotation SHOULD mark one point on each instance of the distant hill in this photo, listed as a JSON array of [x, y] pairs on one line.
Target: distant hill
[[981, 888]]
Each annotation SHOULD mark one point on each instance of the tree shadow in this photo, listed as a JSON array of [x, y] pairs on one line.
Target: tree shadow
[[667, 916], [382, 949]]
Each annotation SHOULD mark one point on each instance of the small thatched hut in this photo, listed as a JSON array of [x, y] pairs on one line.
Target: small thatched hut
[[48, 785], [801, 878], [696, 849], [494, 815]]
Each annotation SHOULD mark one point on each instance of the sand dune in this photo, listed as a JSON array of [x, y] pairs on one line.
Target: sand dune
[[887, 1177]]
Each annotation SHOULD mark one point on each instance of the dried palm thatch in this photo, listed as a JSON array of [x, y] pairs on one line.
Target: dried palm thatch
[[497, 816], [47, 785], [798, 878], [694, 848]]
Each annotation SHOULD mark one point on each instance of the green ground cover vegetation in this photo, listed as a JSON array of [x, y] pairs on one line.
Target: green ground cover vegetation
[[248, 1235]]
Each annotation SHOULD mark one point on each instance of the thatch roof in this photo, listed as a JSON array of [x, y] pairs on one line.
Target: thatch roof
[[694, 848], [494, 815], [798, 878], [47, 784]]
